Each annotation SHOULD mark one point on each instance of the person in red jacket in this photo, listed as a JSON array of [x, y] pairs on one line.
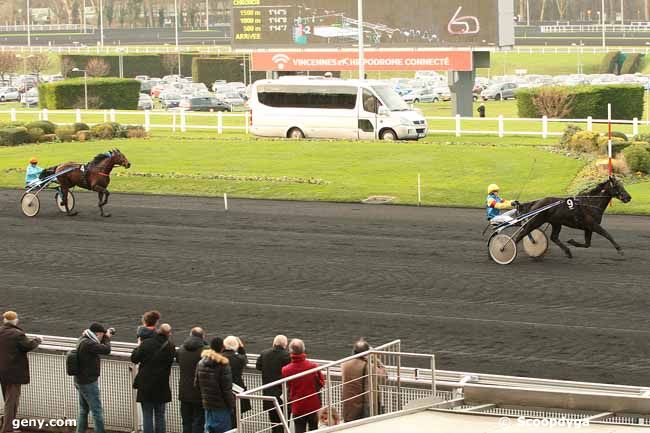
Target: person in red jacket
[[304, 392]]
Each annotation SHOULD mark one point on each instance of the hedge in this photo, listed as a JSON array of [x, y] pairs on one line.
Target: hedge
[[207, 70], [133, 64], [627, 101], [632, 64], [105, 93]]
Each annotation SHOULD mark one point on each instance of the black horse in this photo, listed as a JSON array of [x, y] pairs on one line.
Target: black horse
[[583, 212]]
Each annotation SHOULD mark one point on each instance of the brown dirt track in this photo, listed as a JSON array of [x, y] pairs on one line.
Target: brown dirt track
[[329, 273]]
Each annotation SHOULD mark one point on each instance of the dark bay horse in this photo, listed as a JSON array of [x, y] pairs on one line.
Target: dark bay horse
[[94, 176], [583, 212]]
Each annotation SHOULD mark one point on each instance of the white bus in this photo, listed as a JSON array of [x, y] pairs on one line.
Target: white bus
[[332, 108]]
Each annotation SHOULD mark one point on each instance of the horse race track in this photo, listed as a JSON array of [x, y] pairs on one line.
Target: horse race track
[[329, 273]]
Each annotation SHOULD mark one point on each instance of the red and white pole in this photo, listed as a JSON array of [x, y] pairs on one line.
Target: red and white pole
[[609, 138]]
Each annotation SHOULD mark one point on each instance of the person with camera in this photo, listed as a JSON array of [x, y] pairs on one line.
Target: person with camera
[[154, 357], [94, 342], [14, 365]]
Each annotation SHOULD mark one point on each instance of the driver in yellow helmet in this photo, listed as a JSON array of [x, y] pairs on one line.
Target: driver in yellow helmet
[[495, 203]]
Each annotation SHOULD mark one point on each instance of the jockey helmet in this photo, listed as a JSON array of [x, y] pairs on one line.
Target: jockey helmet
[[33, 160], [493, 187]]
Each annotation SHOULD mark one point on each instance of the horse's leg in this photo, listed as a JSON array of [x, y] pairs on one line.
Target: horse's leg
[[102, 194], [64, 199], [555, 237], [587, 244], [604, 233]]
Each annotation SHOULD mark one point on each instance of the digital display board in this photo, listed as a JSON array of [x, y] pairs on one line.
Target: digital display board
[[386, 23]]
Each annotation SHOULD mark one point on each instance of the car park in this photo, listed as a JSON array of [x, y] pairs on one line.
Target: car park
[[9, 94], [30, 98], [500, 91], [170, 100], [424, 94], [145, 102], [203, 104]]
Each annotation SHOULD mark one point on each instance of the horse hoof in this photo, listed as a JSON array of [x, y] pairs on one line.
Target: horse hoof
[[571, 242], [72, 213], [620, 252], [106, 215], [569, 255]]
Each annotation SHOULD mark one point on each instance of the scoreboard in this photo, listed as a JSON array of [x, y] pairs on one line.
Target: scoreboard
[[387, 23]]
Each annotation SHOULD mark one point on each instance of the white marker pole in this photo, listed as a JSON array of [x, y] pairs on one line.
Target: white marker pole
[[609, 137], [419, 190], [225, 201]]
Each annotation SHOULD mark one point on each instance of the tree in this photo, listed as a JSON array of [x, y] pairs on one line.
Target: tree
[[8, 63], [554, 103], [97, 67], [169, 63], [38, 63], [67, 65]]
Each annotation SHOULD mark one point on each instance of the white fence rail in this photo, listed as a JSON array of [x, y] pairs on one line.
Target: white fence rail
[[48, 28], [224, 122], [597, 28]]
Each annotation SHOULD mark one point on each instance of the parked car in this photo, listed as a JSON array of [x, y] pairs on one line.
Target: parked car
[[145, 102], [218, 83], [500, 91], [230, 99], [203, 104], [30, 98], [443, 93], [9, 94], [142, 77], [424, 94], [170, 100]]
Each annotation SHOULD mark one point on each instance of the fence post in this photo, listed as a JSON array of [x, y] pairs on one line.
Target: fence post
[[635, 126], [77, 115], [174, 121], [105, 115], [458, 130], [183, 121], [219, 122], [545, 127], [13, 114], [112, 115], [147, 120], [419, 190], [246, 121], [45, 114], [501, 132], [590, 123]]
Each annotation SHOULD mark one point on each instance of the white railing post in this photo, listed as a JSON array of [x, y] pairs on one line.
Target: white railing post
[[45, 114], [590, 123], [105, 115], [147, 120], [112, 115], [501, 128], [12, 112], [246, 121], [635, 126], [545, 127], [77, 115], [219, 122], [183, 121], [458, 130]]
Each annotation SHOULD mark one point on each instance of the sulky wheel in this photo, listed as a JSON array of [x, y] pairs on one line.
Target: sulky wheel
[[536, 243], [30, 204], [502, 248], [59, 201]]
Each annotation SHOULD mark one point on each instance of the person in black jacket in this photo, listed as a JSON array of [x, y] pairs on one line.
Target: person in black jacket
[[236, 353], [188, 356], [214, 381], [94, 341], [155, 357], [14, 365], [270, 363]]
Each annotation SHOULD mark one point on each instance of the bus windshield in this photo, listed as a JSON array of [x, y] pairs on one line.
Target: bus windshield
[[390, 98]]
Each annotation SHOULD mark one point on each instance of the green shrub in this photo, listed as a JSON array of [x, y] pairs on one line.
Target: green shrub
[[136, 131], [638, 158], [207, 70], [12, 124], [35, 134], [609, 64], [103, 93], [584, 141], [627, 101], [79, 126], [569, 132], [618, 146], [619, 134], [103, 131], [643, 137], [65, 133], [47, 126], [13, 136], [632, 63], [136, 64]]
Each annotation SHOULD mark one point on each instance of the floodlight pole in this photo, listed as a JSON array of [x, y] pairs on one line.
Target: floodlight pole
[[178, 51], [207, 16], [602, 22], [362, 69], [101, 23], [29, 30]]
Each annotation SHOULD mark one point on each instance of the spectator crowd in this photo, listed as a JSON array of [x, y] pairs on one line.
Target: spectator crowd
[[210, 374]]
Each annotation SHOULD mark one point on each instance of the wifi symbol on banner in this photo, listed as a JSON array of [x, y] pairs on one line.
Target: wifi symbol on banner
[[280, 60]]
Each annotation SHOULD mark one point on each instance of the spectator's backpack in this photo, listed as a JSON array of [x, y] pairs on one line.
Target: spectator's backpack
[[72, 364]]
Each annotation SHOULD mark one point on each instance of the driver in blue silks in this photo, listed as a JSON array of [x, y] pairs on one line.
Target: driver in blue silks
[[33, 171]]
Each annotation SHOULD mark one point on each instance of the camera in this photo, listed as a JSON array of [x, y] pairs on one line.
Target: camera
[[111, 331]]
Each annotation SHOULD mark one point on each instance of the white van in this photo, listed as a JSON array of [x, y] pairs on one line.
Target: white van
[[332, 108]]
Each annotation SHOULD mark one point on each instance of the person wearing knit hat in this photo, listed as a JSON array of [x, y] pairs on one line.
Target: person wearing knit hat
[[14, 365], [94, 341], [216, 344]]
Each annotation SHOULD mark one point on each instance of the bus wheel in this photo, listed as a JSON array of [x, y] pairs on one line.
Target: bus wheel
[[388, 135], [296, 134]]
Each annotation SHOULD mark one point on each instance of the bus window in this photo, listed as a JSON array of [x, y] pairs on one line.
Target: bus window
[[370, 102], [327, 97]]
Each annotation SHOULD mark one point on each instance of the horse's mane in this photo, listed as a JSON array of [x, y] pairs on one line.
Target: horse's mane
[[99, 158], [592, 190]]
